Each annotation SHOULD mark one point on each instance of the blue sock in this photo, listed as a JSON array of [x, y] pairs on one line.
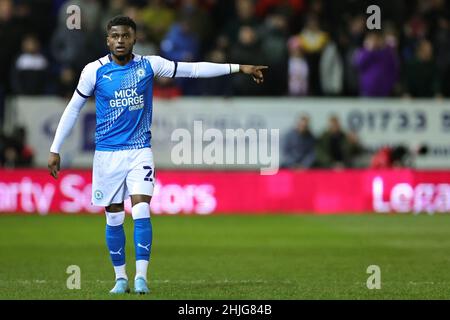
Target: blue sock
[[115, 239], [143, 238]]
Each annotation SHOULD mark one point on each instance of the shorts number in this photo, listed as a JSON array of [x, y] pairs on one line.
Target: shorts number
[[148, 177]]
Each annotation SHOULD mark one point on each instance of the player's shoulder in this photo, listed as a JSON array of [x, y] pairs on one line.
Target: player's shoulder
[[158, 62], [92, 67], [146, 58], [153, 58]]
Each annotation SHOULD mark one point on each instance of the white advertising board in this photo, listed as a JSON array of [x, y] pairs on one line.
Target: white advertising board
[[377, 122]]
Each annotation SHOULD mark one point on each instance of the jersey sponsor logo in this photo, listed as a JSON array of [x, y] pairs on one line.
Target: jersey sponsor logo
[[127, 98]]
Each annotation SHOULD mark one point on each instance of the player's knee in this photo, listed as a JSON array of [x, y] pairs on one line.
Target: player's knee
[[115, 207], [115, 218], [141, 210], [135, 199]]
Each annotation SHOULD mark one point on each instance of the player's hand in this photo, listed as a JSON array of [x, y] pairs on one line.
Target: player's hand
[[254, 71], [54, 161]]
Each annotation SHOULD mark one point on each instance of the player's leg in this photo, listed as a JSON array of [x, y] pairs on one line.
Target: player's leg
[[140, 183], [115, 240], [143, 236], [109, 190]]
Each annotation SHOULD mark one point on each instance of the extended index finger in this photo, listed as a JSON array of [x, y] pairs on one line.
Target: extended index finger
[[262, 67]]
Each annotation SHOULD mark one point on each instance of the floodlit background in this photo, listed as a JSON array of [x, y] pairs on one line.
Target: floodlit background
[[362, 122]]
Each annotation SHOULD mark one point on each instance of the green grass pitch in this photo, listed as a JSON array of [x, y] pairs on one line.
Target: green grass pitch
[[233, 257]]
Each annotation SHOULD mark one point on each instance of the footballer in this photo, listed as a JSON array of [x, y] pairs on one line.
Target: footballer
[[123, 167]]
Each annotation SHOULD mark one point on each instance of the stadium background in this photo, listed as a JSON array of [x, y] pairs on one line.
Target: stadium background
[[384, 171]]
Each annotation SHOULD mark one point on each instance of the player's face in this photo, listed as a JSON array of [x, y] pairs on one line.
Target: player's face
[[121, 40]]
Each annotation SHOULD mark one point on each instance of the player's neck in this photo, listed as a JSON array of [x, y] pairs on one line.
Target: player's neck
[[122, 61]]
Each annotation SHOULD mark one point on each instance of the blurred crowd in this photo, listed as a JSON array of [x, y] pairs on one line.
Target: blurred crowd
[[313, 47], [15, 152], [337, 148]]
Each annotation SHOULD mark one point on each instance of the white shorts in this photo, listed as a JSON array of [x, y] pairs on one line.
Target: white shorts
[[118, 174]]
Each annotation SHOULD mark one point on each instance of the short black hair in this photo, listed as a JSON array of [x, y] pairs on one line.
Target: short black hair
[[121, 21]]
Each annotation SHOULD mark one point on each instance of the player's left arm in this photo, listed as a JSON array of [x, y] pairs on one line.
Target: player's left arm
[[171, 69]]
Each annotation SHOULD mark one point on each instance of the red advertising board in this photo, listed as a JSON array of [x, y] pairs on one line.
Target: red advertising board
[[225, 192]]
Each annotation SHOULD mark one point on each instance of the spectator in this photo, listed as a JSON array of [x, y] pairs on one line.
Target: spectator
[[16, 152], [199, 19], [69, 47], [181, 44], [275, 30], [422, 74], [245, 16], [381, 158], [157, 17], [29, 74], [331, 70], [442, 47], [299, 147], [247, 50], [335, 148], [114, 8], [377, 66], [143, 44], [67, 83], [75, 48], [298, 70], [313, 40], [415, 28], [25, 151], [218, 86], [351, 37], [11, 33], [355, 152], [398, 156]]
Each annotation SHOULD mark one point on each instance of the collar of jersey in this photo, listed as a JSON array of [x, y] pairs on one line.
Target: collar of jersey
[[130, 63]]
